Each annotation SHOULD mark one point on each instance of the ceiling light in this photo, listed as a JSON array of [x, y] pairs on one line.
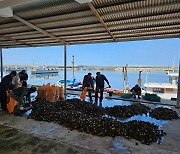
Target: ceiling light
[[6, 12], [83, 1]]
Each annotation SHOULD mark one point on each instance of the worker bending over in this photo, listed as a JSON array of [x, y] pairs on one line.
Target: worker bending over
[[136, 90], [19, 94]]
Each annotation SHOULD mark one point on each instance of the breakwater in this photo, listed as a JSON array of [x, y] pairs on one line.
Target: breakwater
[[102, 68]]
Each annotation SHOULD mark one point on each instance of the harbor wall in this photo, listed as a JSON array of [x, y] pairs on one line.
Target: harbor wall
[[103, 68]]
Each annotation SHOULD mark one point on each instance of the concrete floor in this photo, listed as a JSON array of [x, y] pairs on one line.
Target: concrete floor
[[22, 135], [17, 142]]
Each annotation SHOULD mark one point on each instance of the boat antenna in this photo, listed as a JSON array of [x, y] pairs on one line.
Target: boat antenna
[[73, 65], [147, 75], [173, 65]]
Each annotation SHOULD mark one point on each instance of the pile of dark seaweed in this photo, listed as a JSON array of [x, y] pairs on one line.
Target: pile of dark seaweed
[[163, 114], [89, 118], [127, 111]]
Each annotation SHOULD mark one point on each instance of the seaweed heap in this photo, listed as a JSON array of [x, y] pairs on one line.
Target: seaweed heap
[[81, 106], [72, 105], [144, 131], [127, 111], [75, 115], [139, 108], [164, 113]]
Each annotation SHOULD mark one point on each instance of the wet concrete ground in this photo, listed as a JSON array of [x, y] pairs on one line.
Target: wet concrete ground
[[44, 134], [22, 135], [15, 141]]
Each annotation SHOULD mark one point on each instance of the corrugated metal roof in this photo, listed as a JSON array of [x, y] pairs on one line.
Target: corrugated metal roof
[[67, 21]]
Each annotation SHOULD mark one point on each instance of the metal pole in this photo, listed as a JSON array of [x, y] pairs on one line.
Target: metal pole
[[140, 80], [178, 91], [1, 63], [65, 71], [73, 65]]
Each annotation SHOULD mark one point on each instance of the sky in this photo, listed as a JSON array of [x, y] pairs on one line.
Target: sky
[[162, 52]]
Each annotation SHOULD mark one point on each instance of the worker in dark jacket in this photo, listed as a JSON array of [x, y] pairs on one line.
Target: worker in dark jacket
[[24, 78], [88, 82], [136, 90], [6, 85], [100, 78]]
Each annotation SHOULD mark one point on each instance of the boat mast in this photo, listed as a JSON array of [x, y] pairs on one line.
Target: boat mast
[[139, 79], [125, 79], [73, 66]]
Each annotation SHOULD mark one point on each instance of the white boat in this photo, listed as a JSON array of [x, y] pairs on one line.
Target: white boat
[[164, 90], [44, 71]]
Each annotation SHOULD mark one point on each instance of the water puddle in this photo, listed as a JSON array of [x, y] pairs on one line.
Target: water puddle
[[116, 146], [27, 112], [146, 118], [36, 129], [50, 130]]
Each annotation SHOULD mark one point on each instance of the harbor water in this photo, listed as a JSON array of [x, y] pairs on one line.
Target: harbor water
[[115, 78]]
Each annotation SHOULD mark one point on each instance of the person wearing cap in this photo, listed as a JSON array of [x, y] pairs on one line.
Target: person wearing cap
[[100, 78], [89, 84], [136, 90], [6, 85]]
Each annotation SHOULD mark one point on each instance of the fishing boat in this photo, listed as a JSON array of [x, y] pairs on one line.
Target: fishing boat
[[72, 85], [164, 90], [44, 71], [14, 69]]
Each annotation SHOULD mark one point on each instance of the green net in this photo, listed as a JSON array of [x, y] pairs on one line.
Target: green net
[[126, 95], [152, 97]]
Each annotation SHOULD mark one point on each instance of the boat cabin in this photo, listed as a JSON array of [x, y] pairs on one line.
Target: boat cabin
[[164, 90]]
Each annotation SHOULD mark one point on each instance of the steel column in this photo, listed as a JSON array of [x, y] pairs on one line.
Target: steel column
[[65, 67], [1, 63], [178, 91]]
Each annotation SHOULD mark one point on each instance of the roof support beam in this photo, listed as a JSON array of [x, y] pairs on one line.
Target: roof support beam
[[39, 29], [101, 20], [65, 68], [1, 58], [178, 91], [16, 41]]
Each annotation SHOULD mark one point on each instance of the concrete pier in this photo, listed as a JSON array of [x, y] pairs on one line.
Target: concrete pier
[[102, 68]]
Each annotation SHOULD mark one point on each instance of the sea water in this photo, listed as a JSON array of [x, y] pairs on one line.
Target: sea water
[[115, 78]]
